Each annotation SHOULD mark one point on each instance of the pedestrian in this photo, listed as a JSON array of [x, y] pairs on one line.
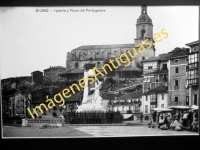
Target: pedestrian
[[154, 116], [194, 125], [185, 115], [161, 120], [190, 118], [141, 117]]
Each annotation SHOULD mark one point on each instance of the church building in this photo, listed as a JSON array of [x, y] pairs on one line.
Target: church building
[[78, 57]]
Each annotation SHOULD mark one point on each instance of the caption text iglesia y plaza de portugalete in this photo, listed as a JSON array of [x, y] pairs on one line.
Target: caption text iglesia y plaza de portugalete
[[70, 10], [67, 92]]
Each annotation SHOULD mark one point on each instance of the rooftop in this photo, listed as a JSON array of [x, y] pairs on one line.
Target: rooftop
[[159, 89], [55, 67], [192, 43], [133, 95], [92, 47], [178, 52], [161, 57]]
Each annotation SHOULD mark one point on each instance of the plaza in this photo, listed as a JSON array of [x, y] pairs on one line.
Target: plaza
[[90, 131]]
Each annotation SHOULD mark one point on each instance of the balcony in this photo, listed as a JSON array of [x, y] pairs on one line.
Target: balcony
[[193, 65], [192, 82], [176, 87]]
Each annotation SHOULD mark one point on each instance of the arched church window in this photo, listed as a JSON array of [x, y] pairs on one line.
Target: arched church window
[[98, 64], [76, 65], [143, 33], [97, 54]]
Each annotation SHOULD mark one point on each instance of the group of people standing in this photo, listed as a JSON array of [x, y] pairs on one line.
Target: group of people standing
[[178, 120]]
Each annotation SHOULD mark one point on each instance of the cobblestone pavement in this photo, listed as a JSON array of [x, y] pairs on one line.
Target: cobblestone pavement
[[90, 131], [99, 131]]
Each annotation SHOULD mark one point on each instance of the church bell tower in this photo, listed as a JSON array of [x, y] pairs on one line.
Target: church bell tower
[[144, 27]]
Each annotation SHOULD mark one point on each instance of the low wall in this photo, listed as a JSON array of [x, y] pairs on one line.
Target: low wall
[[47, 120]]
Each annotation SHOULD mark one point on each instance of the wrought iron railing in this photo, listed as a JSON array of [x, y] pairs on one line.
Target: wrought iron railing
[[94, 117]]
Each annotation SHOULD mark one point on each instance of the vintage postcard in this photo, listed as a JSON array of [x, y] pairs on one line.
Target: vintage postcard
[[99, 71]]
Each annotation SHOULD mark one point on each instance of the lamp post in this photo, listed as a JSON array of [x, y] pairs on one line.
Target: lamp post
[[10, 110], [65, 109]]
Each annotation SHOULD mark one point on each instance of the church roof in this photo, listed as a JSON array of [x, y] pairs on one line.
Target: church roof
[[91, 47], [144, 18]]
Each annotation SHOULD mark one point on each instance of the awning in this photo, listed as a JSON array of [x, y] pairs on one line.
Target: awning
[[194, 107], [179, 107], [162, 109], [127, 116]]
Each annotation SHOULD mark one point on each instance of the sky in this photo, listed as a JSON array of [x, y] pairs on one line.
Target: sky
[[31, 40]]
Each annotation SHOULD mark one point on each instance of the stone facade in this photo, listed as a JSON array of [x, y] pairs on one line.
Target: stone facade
[[177, 79], [52, 73]]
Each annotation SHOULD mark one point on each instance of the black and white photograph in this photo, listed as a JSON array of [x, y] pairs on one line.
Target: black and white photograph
[[99, 71]]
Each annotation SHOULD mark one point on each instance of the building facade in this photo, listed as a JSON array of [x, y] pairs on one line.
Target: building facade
[[18, 104], [192, 74], [178, 61], [37, 77], [52, 73], [155, 83]]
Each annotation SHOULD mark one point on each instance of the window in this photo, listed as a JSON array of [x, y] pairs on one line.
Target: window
[[176, 82], [153, 98], [187, 100], [176, 61], [146, 108], [165, 77], [162, 96], [148, 66], [98, 64], [186, 68], [176, 100], [186, 60], [176, 69], [195, 49], [162, 105], [164, 66], [193, 58], [143, 58], [147, 78], [146, 97], [152, 106], [192, 74], [76, 65], [195, 99]]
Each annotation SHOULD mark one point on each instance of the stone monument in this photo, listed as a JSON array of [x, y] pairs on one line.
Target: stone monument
[[92, 101]]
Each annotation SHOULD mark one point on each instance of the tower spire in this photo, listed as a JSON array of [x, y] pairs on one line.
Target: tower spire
[[144, 9]]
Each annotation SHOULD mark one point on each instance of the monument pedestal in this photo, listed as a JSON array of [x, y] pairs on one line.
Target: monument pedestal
[[90, 107]]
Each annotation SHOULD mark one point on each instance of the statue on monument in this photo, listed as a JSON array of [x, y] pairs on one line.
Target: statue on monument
[[89, 65], [92, 101]]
